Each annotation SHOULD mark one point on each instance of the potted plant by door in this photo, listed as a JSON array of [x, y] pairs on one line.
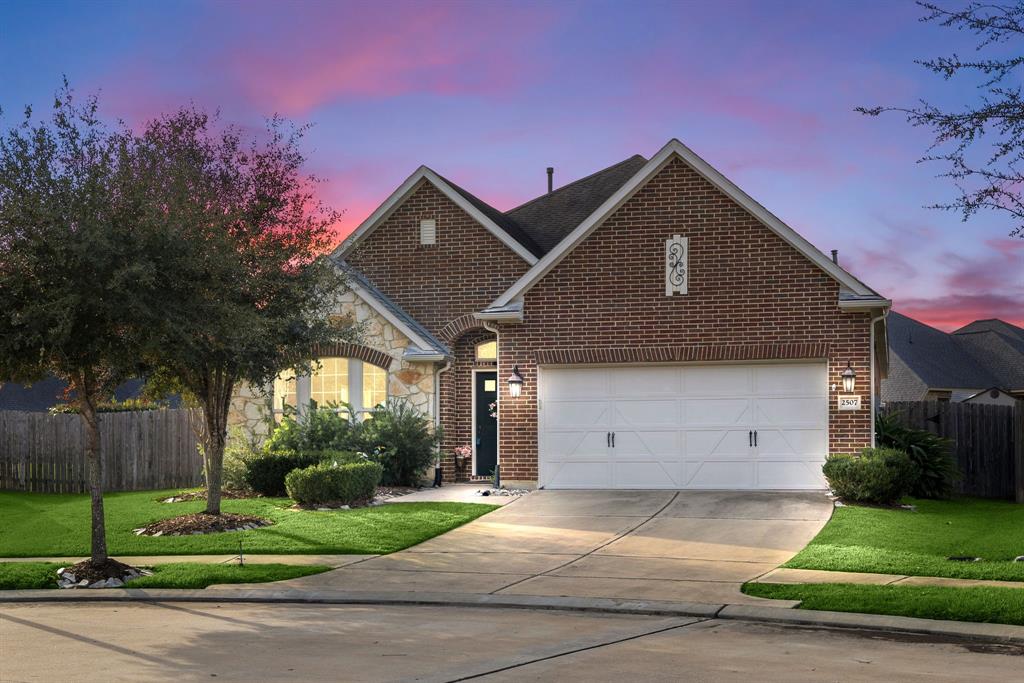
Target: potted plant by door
[[463, 455]]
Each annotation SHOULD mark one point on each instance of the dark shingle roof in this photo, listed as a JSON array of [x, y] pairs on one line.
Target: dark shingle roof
[[993, 325], [40, 396], [970, 360], [517, 233], [550, 217]]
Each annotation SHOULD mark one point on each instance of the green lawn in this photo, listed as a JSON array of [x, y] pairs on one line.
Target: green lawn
[[995, 605], [47, 525], [27, 575], [887, 541]]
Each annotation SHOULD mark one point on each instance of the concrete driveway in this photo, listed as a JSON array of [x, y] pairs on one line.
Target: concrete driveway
[[687, 546]]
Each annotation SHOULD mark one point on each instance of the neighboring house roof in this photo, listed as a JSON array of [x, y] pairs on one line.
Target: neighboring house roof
[[40, 396], [427, 345], [970, 360], [992, 392], [549, 218], [993, 325], [672, 150]]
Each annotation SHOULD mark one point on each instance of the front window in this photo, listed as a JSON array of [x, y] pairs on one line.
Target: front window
[[487, 350], [337, 382]]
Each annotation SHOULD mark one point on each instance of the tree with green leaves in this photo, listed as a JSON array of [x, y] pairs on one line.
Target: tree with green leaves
[[251, 290], [80, 293], [981, 143]]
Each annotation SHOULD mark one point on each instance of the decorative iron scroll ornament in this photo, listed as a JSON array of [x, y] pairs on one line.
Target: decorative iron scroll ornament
[[676, 265]]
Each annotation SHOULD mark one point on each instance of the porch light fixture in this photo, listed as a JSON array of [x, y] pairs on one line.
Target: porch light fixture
[[515, 382], [849, 377]]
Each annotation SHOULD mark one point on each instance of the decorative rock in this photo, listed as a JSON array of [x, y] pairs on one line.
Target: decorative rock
[[840, 504], [159, 533], [83, 583], [346, 507], [97, 584], [1019, 558], [114, 583]]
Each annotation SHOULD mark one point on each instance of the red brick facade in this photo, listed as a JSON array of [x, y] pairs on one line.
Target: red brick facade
[[749, 292], [751, 297]]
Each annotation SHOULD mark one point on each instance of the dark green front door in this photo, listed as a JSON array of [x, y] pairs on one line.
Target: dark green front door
[[484, 424]]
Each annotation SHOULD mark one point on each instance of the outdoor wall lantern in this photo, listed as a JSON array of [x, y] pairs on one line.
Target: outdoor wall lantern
[[849, 377], [515, 382]]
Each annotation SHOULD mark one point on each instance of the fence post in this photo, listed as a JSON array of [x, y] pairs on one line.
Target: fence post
[[1018, 447]]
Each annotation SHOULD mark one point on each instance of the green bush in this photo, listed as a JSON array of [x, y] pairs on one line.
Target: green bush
[[931, 453], [329, 483], [237, 454], [402, 440], [266, 471], [877, 475], [321, 430]]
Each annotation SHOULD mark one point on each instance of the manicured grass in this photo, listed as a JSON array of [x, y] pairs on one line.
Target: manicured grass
[[917, 543], [995, 605], [48, 525], [26, 575]]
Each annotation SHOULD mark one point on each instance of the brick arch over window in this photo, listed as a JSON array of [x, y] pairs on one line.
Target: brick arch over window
[[349, 350], [455, 329]]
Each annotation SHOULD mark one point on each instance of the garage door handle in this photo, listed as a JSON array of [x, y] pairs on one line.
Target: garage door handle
[[750, 438], [755, 437], [608, 439], [613, 439]]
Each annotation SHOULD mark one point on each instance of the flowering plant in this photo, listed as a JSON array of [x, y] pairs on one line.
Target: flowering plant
[[493, 409], [463, 452]]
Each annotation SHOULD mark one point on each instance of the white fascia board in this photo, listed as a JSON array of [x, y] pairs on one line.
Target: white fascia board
[[411, 184], [650, 169], [414, 355], [509, 316], [388, 315]]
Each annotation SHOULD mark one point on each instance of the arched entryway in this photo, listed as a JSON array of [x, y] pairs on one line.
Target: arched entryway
[[469, 413]]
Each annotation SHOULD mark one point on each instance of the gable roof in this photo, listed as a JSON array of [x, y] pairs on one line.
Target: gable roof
[[971, 360], [993, 325], [676, 149], [500, 219], [427, 345], [549, 218], [477, 209]]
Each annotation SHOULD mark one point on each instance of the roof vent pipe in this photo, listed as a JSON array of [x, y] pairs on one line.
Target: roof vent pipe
[[835, 256], [551, 178]]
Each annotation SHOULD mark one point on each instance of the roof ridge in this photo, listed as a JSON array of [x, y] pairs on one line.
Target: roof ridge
[[575, 182]]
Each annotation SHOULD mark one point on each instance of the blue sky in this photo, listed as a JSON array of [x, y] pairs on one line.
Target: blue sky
[[490, 93]]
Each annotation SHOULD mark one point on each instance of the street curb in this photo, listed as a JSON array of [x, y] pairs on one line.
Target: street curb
[[959, 630]]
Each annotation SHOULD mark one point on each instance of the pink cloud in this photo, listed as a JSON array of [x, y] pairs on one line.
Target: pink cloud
[[956, 310]]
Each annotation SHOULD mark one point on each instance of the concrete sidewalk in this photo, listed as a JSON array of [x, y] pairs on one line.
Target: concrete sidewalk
[[793, 576]]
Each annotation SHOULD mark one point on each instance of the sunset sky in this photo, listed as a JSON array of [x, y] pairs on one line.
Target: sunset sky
[[490, 93]]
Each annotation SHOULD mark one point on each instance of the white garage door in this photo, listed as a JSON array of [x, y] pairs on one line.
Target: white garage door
[[757, 426]]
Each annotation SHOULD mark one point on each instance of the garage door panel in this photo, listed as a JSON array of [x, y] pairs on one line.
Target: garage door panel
[[634, 381], [717, 444], [575, 414], [791, 411], [710, 412], [580, 474], [650, 412], [790, 474], [723, 474], [647, 443], [716, 380], [798, 442], [790, 379], [563, 444], [577, 383], [646, 474]]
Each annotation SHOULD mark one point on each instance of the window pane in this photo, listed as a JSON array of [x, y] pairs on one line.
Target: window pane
[[487, 350], [284, 390], [329, 384], [375, 386]]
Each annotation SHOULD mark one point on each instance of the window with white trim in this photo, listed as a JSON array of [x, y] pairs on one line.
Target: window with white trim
[[337, 382]]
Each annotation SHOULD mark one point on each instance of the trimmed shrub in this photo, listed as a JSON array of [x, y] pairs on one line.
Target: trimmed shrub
[[329, 483], [878, 475], [322, 429], [265, 472], [931, 453], [402, 440]]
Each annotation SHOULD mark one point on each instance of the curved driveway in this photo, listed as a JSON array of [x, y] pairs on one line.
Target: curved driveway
[[686, 546]]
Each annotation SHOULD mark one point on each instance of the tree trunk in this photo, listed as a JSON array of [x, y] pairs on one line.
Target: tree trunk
[[92, 454], [215, 411]]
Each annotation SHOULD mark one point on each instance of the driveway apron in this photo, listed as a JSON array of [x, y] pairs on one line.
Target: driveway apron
[[686, 546]]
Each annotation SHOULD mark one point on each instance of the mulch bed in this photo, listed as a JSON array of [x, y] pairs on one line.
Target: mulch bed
[[107, 574], [202, 523], [226, 494]]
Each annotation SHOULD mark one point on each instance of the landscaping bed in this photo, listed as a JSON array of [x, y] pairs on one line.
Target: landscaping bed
[[980, 604], [919, 542], [202, 523], [53, 525], [37, 575]]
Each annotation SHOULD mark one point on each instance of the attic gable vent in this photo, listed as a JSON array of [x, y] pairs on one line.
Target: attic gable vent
[[428, 231]]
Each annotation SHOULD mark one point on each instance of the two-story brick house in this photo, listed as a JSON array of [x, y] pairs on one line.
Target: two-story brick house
[[668, 331]]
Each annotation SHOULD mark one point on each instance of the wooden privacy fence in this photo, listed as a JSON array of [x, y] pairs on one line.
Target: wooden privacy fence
[[988, 442], [146, 449]]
